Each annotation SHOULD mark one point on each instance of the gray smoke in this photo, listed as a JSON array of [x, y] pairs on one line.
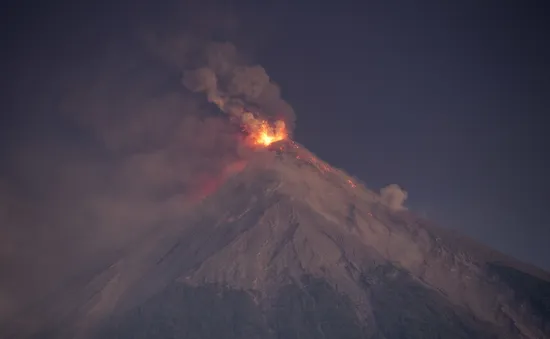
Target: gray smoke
[[236, 87], [393, 196], [108, 143]]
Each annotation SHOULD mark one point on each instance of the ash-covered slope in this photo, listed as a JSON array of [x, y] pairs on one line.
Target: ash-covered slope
[[292, 248]]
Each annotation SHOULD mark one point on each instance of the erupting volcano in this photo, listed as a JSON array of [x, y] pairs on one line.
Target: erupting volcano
[[290, 247], [283, 245]]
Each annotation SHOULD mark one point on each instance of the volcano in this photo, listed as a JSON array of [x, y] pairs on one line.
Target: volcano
[[290, 247]]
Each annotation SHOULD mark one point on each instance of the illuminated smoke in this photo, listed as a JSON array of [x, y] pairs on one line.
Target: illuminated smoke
[[239, 89]]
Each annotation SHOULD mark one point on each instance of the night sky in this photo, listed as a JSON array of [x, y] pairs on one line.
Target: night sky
[[447, 100]]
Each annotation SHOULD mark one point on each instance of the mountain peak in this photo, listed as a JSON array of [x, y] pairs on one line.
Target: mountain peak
[[286, 233], [289, 215]]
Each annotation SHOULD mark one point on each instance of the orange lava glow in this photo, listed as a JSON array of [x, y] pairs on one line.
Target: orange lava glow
[[209, 183], [264, 134]]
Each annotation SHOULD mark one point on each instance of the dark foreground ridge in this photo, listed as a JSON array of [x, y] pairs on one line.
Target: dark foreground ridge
[[293, 248]]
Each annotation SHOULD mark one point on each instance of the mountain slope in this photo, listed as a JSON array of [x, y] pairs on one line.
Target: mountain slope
[[292, 248]]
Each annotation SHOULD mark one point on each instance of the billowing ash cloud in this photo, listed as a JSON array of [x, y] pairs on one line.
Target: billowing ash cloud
[[108, 143], [236, 87], [393, 196]]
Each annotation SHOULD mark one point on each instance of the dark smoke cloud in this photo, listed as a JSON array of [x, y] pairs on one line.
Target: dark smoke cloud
[[236, 87], [109, 142]]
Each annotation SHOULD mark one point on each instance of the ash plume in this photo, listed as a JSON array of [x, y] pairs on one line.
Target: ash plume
[[235, 87], [393, 196], [108, 143]]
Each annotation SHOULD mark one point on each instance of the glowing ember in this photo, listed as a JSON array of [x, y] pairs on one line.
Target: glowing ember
[[266, 135], [261, 132]]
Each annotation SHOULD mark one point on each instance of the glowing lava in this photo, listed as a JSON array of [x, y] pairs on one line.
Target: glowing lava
[[266, 135], [261, 133]]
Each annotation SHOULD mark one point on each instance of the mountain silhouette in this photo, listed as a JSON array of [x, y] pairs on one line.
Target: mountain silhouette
[[291, 247]]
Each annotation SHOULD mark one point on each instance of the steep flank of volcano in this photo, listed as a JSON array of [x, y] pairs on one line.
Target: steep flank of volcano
[[293, 248]]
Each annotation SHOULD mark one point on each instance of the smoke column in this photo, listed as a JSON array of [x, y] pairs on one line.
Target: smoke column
[[236, 88], [111, 136]]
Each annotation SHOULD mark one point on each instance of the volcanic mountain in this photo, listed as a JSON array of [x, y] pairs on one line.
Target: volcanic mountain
[[290, 247]]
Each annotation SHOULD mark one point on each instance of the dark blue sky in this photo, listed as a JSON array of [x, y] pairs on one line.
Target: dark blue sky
[[447, 100]]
